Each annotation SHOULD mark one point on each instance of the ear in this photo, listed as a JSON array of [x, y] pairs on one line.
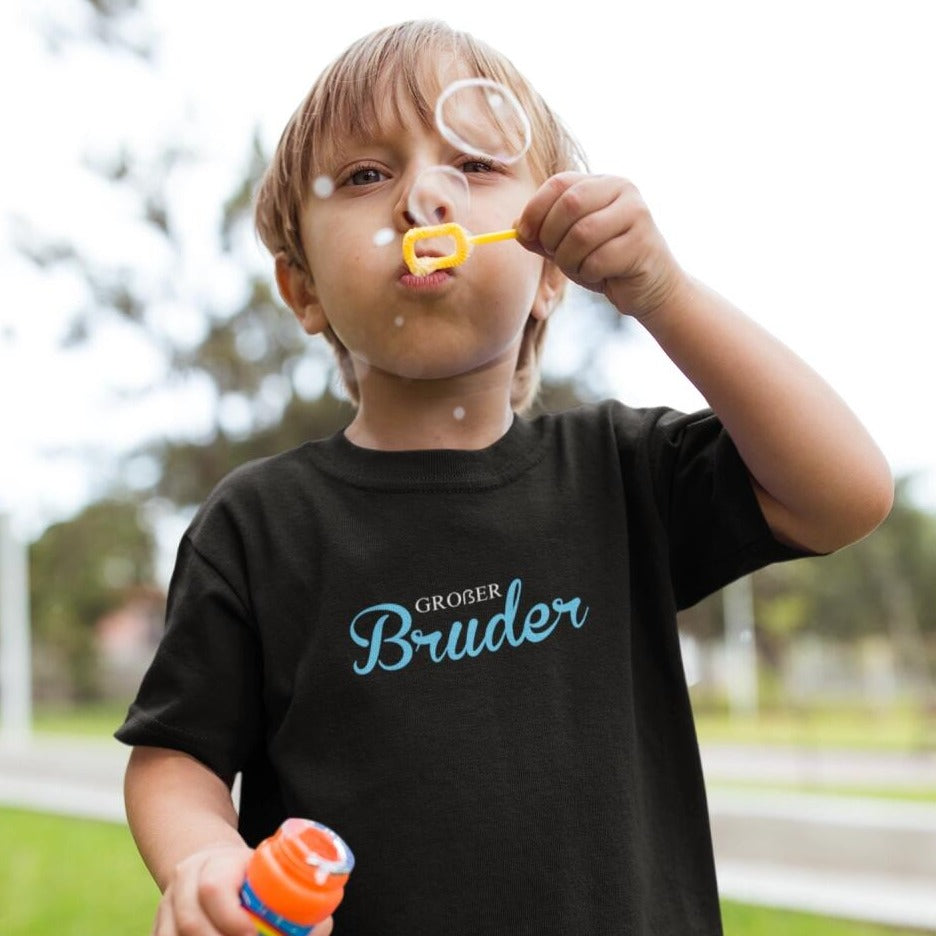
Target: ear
[[297, 288], [549, 292]]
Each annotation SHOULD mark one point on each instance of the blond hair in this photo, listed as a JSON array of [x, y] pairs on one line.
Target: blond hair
[[343, 102]]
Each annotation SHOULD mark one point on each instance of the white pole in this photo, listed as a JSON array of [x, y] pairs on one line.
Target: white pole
[[15, 655], [740, 647]]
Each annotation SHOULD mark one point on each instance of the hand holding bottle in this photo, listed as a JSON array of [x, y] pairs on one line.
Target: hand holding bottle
[[296, 878]]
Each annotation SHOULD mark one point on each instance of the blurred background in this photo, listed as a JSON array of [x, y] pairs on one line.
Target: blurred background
[[786, 151]]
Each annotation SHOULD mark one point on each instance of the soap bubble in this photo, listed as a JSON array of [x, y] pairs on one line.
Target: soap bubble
[[398, 321], [459, 413], [323, 186], [483, 117], [439, 195], [384, 236]]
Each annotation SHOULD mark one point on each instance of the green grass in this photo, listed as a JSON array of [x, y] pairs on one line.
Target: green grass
[[72, 877], [86, 721], [893, 729], [905, 794], [744, 920]]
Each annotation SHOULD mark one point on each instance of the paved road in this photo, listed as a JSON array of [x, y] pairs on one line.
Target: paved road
[[843, 856], [838, 855], [71, 777]]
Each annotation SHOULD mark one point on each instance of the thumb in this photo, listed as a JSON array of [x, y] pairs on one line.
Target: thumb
[[324, 928]]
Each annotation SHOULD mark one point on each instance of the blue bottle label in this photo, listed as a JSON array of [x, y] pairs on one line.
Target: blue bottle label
[[269, 923]]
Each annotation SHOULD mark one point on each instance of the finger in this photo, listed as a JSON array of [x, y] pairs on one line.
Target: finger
[[324, 928], [614, 259], [163, 924], [220, 903], [530, 221], [620, 240], [219, 895], [594, 233], [188, 917], [576, 204]]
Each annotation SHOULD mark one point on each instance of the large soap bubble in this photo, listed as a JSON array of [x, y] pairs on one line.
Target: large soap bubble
[[439, 194], [483, 117]]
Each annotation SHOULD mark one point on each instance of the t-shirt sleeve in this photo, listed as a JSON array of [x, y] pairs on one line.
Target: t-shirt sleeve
[[716, 530], [202, 692]]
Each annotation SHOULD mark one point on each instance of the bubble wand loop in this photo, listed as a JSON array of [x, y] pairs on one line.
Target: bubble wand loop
[[464, 242]]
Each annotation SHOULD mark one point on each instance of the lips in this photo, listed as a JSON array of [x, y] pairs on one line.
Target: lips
[[408, 276], [430, 280]]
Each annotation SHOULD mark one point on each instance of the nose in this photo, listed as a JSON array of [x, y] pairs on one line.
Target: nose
[[403, 217], [419, 209], [436, 195]]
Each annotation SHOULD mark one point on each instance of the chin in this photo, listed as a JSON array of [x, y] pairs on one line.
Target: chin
[[437, 355]]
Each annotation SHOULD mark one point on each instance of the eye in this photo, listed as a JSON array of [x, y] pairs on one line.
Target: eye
[[364, 175], [477, 164]]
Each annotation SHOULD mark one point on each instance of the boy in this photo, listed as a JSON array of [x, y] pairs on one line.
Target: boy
[[449, 632]]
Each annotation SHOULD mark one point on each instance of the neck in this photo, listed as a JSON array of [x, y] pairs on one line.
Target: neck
[[401, 415]]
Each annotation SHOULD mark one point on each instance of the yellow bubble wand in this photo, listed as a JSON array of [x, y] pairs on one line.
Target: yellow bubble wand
[[464, 242]]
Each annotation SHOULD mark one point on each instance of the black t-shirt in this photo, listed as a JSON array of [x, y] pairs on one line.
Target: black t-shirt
[[467, 664]]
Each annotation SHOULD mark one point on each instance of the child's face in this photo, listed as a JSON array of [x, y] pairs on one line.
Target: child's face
[[449, 323]]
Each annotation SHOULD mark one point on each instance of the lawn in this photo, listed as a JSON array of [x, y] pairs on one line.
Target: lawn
[[897, 728], [73, 877], [86, 721], [909, 794], [741, 920]]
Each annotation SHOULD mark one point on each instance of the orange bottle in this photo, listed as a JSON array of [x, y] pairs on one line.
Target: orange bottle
[[296, 878]]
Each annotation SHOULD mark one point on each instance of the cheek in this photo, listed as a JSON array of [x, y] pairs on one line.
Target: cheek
[[518, 274], [340, 240], [346, 269]]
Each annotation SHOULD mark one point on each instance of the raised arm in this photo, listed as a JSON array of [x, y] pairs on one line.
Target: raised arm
[[821, 480]]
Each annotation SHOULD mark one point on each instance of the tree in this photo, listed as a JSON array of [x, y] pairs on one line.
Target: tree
[[882, 583], [80, 570], [118, 25], [881, 587]]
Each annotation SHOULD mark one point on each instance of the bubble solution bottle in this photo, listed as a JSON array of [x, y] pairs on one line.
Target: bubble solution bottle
[[296, 878]]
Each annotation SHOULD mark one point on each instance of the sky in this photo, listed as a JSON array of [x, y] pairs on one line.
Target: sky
[[786, 151]]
